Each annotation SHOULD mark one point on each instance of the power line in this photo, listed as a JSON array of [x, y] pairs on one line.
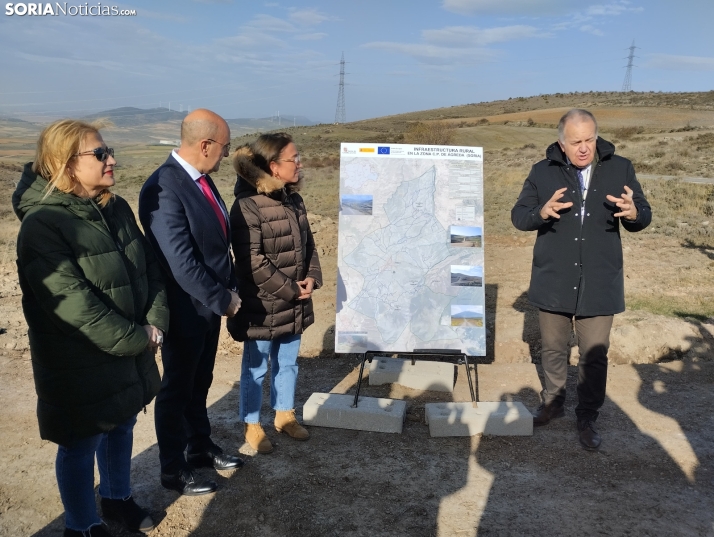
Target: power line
[[340, 114], [627, 84]]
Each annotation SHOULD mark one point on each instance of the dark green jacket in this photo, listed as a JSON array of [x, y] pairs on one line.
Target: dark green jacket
[[89, 283]]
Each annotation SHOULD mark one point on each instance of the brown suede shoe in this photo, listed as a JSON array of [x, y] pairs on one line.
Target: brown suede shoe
[[547, 412], [255, 436], [286, 422]]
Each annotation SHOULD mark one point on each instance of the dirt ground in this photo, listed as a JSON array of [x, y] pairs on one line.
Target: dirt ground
[[654, 474]]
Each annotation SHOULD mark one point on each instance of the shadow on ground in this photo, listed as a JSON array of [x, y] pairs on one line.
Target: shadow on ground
[[652, 476]]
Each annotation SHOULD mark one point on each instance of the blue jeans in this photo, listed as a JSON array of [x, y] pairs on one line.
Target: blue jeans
[[75, 473], [282, 353]]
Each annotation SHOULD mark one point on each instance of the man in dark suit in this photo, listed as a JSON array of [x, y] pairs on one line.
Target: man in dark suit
[[577, 199], [186, 221]]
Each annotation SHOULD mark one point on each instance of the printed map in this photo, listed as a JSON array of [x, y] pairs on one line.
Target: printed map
[[410, 249]]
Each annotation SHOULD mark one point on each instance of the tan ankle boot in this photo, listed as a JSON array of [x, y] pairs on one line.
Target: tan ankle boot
[[285, 422], [255, 436]]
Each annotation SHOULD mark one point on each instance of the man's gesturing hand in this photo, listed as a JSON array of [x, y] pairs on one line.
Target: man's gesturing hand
[[234, 306], [627, 207], [552, 206]]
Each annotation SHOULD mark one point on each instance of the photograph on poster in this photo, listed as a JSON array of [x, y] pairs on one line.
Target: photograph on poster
[[356, 205], [354, 340], [466, 236], [467, 315], [466, 276]]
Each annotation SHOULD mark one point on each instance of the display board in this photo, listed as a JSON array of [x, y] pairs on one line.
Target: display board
[[410, 249]]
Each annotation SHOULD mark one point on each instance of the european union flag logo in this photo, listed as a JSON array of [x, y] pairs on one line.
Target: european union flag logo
[[382, 150]]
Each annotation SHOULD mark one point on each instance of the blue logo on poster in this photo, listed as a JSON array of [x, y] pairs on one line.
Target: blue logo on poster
[[382, 150]]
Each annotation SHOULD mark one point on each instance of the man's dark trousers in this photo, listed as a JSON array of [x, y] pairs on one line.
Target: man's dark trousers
[[180, 411], [593, 337]]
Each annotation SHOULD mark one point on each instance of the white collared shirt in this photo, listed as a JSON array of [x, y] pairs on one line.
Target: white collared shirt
[[586, 172], [196, 175]]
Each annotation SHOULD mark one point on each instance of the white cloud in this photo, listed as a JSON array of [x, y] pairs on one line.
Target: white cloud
[[472, 36], [158, 15], [238, 44], [586, 15], [268, 23], [590, 29], [455, 46], [673, 62], [612, 9], [436, 55], [311, 37], [593, 19], [309, 17], [509, 7]]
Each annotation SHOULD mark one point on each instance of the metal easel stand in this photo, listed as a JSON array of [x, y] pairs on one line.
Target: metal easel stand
[[462, 358]]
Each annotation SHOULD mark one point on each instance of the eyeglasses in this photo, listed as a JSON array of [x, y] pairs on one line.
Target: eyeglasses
[[226, 147], [102, 153], [295, 160]]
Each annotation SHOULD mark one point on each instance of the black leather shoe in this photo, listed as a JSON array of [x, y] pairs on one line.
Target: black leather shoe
[[589, 438], [185, 483], [95, 531], [547, 412], [127, 513], [214, 458]]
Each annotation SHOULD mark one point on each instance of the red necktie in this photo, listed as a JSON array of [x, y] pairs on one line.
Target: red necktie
[[212, 200]]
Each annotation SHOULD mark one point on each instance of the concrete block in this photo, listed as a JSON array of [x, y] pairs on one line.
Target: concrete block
[[509, 382], [372, 413], [423, 375], [501, 418]]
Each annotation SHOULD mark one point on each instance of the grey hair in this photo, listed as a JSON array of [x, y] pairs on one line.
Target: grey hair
[[574, 114], [196, 130]]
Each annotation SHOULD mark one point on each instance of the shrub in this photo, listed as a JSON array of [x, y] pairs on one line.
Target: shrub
[[432, 133], [625, 133]]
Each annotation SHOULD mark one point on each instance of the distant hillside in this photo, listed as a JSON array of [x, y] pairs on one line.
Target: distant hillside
[[267, 123], [132, 117], [592, 100], [129, 116], [8, 119]]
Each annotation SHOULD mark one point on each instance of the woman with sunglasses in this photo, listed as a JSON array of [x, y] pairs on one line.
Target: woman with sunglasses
[[95, 306], [278, 269]]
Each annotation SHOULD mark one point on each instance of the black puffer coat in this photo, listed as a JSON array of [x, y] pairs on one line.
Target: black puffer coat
[[273, 249], [577, 261], [89, 282]]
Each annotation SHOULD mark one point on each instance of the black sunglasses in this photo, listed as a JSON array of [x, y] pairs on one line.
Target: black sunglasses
[[101, 153]]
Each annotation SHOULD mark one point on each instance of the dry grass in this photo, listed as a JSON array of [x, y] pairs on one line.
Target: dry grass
[[433, 133], [663, 134]]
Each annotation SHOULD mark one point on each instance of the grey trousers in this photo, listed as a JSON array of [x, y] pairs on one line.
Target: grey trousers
[[593, 338]]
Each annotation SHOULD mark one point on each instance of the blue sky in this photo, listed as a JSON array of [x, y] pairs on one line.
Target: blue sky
[[251, 59], [468, 231], [469, 270]]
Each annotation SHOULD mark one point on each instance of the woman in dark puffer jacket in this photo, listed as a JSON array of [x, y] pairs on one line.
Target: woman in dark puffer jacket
[[95, 306], [278, 269]]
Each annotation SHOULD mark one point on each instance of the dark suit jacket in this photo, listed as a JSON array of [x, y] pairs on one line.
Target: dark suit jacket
[[189, 241]]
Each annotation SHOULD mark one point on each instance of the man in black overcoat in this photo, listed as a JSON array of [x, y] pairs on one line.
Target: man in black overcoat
[[577, 199]]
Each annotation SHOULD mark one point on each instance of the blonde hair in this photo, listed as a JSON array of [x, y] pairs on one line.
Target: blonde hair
[[58, 144]]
